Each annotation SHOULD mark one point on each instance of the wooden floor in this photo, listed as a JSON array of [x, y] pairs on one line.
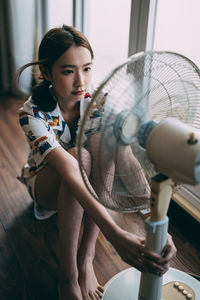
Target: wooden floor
[[29, 253]]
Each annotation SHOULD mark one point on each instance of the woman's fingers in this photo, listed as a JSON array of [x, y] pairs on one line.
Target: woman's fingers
[[169, 251], [133, 251], [151, 255], [145, 263], [152, 265], [149, 261]]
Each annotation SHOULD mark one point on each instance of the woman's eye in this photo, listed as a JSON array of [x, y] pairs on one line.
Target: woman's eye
[[67, 72], [87, 69]]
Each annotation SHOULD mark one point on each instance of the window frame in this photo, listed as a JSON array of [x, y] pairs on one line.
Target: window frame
[[142, 25]]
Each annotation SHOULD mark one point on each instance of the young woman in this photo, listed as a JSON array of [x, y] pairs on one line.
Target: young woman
[[50, 119]]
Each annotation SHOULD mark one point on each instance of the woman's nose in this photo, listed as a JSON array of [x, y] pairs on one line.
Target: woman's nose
[[79, 80]]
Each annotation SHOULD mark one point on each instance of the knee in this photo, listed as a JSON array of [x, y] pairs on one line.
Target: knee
[[85, 157], [73, 151], [85, 160]]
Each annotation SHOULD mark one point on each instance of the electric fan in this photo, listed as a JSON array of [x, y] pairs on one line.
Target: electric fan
[[141, 129]]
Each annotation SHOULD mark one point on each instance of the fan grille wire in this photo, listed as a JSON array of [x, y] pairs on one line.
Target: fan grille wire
[[152, 86]]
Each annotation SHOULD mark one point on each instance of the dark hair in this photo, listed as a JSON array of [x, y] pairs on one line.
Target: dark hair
[[54, 43]]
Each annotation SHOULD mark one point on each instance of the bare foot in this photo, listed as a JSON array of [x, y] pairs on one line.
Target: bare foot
[[89, 285]]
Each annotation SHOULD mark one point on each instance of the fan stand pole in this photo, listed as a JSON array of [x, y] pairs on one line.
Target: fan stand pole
[[150, 284], [157, 228], [126, 284]]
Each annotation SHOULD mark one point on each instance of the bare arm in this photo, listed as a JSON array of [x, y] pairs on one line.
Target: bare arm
[[67, 167], [129, 246]]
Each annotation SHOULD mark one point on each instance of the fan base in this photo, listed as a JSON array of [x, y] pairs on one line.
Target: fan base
[[125, 285]]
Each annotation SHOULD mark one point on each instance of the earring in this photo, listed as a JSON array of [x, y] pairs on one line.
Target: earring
[[52, 93]]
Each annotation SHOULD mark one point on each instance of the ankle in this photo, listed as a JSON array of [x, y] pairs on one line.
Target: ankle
[[85, 258], [86, 253], [66, 277]]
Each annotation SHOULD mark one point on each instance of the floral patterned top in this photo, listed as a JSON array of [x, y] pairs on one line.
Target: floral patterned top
[[47, 130]]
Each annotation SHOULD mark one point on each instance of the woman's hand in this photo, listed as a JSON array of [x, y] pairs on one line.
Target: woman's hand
[[168, 252], [132, 250]]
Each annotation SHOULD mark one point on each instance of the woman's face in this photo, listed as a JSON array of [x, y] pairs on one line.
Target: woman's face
[[71, 74]]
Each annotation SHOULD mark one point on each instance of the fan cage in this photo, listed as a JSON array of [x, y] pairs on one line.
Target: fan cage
[[152, 85]]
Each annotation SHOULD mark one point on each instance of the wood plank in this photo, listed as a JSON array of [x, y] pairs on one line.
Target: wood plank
[[11, 275], [31, 241]]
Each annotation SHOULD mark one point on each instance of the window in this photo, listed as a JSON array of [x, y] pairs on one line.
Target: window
[[59, 13], [106, 25], [177, 30]]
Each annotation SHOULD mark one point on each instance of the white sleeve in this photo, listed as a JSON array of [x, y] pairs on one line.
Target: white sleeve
[[40, 136]]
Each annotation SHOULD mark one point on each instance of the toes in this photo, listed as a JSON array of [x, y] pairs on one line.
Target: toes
[[93, 296], [96, 295], [100, 293], [100, 288], [86, 297]]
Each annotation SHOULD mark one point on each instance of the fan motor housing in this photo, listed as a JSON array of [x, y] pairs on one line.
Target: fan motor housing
[[168, 148]]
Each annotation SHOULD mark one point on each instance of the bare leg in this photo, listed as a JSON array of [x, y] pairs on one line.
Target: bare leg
[[69, 221], [135, 181], [52, 193], [89, 285], [102, 174], [87, 279]]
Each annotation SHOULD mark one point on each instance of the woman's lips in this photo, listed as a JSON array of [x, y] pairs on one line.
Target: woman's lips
[[78, 93]]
